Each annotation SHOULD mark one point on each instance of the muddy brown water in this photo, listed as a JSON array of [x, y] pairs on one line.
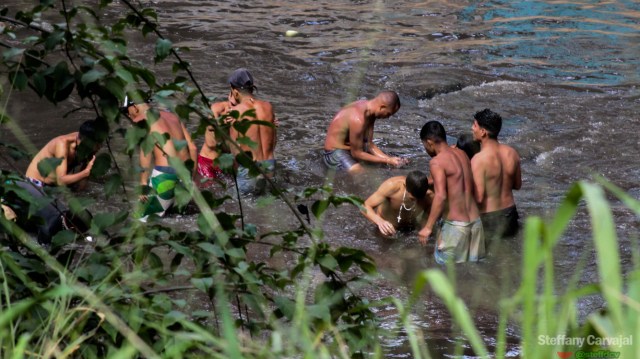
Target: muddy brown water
[[562, 74]]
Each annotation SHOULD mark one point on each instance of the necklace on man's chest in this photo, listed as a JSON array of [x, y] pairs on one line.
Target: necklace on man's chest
[[405, 207]]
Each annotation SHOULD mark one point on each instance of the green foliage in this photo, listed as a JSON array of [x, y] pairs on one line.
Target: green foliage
[[135, 290], [537, 306]]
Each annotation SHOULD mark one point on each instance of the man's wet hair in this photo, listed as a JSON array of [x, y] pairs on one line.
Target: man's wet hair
[[390, 98], [433, 130], [94, 131], [89, 130], [417, 184], [468, 144], [490, 121]]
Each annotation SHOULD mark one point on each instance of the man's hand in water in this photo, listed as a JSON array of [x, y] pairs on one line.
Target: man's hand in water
[[386, 228], [424, 235], [398, 161]]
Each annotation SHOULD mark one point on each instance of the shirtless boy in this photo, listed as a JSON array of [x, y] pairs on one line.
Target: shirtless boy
[[461, 237], [399, 202], [496, 172], [156, 170], [242, 100], [65, 148], [206, 170], [350, 134]]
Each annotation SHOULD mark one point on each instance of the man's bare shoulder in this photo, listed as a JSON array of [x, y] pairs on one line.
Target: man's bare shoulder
[[481, 157], [220, 108], [509, 151], [392, 185], [264, 109]]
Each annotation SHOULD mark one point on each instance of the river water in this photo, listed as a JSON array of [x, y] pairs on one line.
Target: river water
[[563, 75]]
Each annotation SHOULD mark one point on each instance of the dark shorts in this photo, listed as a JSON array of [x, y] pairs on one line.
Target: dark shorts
[[257, 184], [500, 224], [339, 159]]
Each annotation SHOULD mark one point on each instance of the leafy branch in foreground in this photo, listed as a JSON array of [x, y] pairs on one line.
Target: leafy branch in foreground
[[153, 290]]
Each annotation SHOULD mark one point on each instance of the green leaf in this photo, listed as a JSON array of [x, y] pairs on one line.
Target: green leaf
[[11, 53], [318, 207], [154, 261], [247, 142], [328, 261], [182, 196], [48, 165], [124, 75], [91, 76], [286, 307], [116, 86], [101, 165], [179, 144], [39, 83], [212, 249], [112, 184], [103, 221], [19, 80], [62, 238], [163, 49], [225, 161], [183, 111], [242, 125], [203, 284], [53, 39], [148, 28]]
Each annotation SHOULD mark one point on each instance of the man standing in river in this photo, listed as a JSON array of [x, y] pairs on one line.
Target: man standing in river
[[461, 237], [242, 99], [350, 134], [156, 170], [496, 172]]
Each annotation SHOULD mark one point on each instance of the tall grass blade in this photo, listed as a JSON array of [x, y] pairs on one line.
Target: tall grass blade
[[443, 288]]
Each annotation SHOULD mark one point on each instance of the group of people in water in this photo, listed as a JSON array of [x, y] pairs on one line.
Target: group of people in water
[[467, 198], [465, 201]]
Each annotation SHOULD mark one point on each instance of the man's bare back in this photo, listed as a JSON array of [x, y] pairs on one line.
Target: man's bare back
[[166, 124], [264, 136], [452, 181], [496, 168]]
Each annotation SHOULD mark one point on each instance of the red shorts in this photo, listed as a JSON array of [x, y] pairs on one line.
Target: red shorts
[[206, 169]]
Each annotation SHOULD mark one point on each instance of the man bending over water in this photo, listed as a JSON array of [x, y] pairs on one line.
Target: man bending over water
[[496, 172], [65, 148], [461, 237], [350, 134], [399, 202]]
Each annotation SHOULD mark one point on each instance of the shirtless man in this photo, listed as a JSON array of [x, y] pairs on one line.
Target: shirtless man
[[73, 156], [461, 237], [242, 99], [65, 149], [206, 171], [399, 202], [496, 172], [350, 134], [156, 170]]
